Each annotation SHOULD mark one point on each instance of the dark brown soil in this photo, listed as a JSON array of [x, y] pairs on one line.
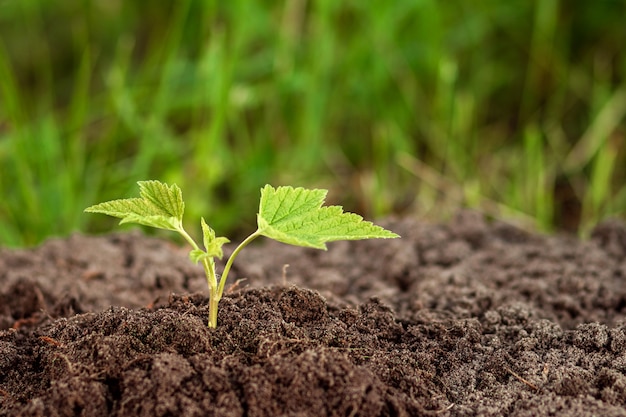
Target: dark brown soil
[[464, 319]]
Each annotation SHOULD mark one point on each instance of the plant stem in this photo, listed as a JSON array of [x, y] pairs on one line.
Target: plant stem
[[207, 263], [188, 238], [213, 303], [209, 270], [217, 291], [232, 257]]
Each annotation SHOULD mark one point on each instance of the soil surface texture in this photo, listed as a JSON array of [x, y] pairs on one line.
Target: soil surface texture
[[470, 318]]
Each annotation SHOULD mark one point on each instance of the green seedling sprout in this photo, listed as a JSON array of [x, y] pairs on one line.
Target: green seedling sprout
[[286, 214]]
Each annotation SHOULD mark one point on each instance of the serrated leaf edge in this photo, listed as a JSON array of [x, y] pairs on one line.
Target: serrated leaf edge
[[272, 228]]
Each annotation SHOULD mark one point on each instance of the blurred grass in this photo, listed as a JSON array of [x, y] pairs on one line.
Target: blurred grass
[[514, 108]]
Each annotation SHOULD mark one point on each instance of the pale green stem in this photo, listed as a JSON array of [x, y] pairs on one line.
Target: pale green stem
[[213, 303], [188, 238], [232, 257], [216, 293], [209, 268], [209, 271]]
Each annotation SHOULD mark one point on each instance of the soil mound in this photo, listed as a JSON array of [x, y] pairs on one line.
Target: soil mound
[[470, 318]]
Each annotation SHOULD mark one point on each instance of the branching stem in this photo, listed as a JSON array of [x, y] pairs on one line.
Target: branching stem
[[215, 290], [207, 263], [231, 259], [209, 270]]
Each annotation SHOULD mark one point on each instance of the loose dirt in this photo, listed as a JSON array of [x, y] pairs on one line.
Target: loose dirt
[[470, 318]]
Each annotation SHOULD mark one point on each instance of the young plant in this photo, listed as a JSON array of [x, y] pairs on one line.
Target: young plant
[[290, 215]]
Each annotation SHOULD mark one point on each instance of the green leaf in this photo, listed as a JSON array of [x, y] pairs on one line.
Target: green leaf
[[196, 255], [169, 199], [159, 222], [212, 244], [295, 216], [159, 206]]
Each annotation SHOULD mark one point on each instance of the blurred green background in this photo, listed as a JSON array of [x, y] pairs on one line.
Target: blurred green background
[[409, 107]]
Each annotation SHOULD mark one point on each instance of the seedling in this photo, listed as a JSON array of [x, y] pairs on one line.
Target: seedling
[[289, 215]]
